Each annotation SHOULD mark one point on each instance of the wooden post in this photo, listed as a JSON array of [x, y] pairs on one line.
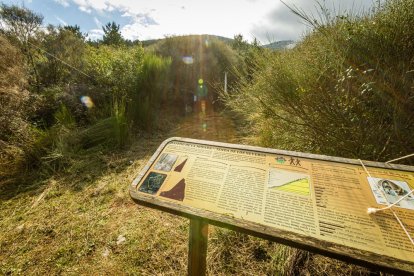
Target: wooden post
[[197, 248]]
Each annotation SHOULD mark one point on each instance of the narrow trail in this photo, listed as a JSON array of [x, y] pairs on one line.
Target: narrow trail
[[211, 125]]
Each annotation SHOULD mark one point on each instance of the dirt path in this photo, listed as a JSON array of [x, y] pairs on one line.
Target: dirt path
[[211, 125]]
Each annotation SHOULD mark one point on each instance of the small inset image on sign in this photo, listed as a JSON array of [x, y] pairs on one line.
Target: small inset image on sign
[[166, 162], [288, 181], [393, 191], [152, 183]]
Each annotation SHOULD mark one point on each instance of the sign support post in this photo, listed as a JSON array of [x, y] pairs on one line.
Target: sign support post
[[197, 247]]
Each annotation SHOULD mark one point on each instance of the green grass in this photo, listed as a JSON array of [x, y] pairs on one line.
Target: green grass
[[72, 222]]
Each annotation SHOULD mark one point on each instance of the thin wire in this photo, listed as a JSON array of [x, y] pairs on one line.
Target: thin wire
[[388, 204], [67, 64], [395, 203], [400, 158]]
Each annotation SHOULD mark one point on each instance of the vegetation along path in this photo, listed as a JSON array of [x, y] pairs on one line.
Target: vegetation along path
[[83, 221]]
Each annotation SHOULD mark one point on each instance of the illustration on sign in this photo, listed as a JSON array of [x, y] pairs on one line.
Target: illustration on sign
[[289, 181], [281, 160], [181, 164], [177, 192]]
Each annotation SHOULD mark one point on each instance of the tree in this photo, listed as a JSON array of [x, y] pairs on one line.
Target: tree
[[22, 24], [75, 30], [248, 52], [19, 22], [239, 44], [64, 50], [112, 34]]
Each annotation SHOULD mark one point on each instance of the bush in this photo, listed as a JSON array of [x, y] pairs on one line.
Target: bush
[[346, 89], [194, 57], [144, 101], [16, 135], [132, 78]]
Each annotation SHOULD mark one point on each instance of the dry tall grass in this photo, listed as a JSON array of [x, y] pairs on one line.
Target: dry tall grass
[[16, 135], [345, 90]]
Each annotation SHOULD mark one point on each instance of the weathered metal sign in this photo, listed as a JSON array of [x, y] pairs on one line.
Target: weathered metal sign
[[314, 202]]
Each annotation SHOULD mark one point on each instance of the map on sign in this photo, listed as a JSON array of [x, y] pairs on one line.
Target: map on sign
[[312, 197]]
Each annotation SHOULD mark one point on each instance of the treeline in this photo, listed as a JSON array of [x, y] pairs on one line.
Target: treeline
[[63, 96], [347, 89]]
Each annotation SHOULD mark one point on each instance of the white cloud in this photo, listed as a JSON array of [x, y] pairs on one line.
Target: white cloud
[[64, 3], [251, 18], [85, 9], [63, 22], [281, 24], [97, 5], [95, 34], [97, 22]]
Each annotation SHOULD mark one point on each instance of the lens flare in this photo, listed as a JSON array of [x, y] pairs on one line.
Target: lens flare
[[188, 60], [87, 101]]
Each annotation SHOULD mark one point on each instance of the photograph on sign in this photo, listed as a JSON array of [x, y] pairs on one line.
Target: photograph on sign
[[393, 190], [166, 162], [152, 183]]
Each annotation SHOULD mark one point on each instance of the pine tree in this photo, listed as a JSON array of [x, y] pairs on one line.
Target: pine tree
[[112, 34]]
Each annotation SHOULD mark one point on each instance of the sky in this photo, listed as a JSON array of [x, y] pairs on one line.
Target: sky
[[266, 20]]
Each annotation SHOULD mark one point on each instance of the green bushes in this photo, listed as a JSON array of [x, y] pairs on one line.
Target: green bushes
[[123, 91], [346, 89], [135, 81], [59, 48], [194, 57], [61, 97], [144, 102], [17, 135]]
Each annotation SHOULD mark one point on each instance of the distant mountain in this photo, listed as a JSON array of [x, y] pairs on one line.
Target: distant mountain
[[280, 45]]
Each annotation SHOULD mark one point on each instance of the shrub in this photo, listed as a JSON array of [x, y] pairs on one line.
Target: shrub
[[133, 78], [16, 135], [346, 89], [194, 57]]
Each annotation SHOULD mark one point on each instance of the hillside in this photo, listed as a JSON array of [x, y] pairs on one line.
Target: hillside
[[278, 45]]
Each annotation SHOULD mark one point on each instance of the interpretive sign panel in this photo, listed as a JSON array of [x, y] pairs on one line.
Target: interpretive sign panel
[[309, 201]]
